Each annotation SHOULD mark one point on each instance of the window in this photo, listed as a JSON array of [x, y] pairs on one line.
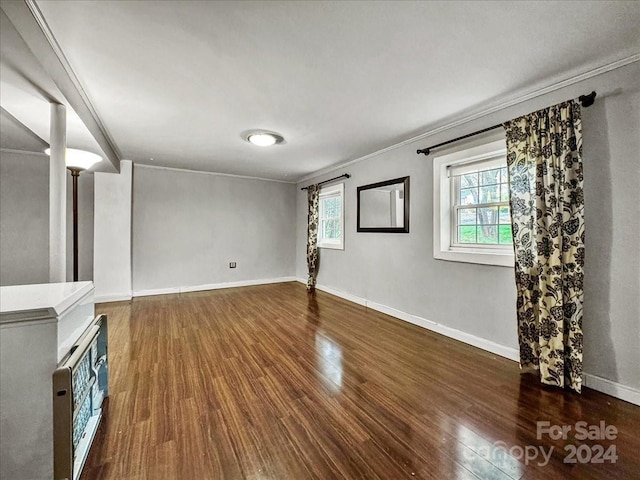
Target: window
[[472, 222], [480, 201], [331, 210]]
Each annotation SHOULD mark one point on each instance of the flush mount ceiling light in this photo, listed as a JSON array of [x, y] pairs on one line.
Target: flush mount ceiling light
[[263, 138], [79, 159]]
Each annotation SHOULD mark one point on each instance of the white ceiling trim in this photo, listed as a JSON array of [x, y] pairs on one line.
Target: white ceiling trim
[[30, 23], [186, 170], [22, 152], [495, 108]]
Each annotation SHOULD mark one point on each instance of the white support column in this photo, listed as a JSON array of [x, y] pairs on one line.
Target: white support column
[[58, 195], [112, 234]]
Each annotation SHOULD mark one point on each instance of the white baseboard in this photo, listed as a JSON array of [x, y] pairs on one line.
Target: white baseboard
[[113, 297], [617, 390], [614, 389], [156, 291], [484, 344], [338, 293], [210, 286], [469, 339]]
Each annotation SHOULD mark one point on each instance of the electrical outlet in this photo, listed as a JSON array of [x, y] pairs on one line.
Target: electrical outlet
[[232, 264]]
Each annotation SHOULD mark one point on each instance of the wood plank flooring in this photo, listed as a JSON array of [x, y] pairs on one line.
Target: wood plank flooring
[[268, 382]]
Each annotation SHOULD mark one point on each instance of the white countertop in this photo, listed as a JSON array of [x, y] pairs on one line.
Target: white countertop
[[46, 299]]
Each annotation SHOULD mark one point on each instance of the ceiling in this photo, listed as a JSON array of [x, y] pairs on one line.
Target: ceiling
[[177, 83], [15, 136], [26, 91]]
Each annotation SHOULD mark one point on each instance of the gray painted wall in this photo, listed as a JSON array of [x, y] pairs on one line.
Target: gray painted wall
[[399, 271], [24, 218], [188, 226]]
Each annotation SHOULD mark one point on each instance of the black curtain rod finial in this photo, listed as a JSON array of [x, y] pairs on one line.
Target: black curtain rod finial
[[423, 150], [587, 100], [344, 175]]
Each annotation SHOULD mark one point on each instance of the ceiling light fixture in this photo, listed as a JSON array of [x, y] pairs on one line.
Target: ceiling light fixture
[[263, 138], [79, 159]]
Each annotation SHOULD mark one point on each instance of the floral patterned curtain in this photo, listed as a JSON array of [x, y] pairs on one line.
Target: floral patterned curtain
[[544, 158], [313, 192]]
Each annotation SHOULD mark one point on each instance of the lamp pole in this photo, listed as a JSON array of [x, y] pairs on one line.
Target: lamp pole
[[76, 160], [75, 173]]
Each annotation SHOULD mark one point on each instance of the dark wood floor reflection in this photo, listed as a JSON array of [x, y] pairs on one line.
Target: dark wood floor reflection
[[266, 382]]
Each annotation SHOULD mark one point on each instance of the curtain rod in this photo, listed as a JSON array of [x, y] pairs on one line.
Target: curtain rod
[[585, 101], [344, 175]]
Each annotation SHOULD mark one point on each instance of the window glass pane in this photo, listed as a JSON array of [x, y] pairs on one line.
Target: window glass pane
[[468, 196], [487, 234], [505, 237], [331, 207], [330, 223], [489, 194], [488, 216], [338, 228], [467, 216], [504, 177], [331, 229], [469, 180], [467, 234], [478, 207], [504, 192], [327, 229], [490, 177], [505, 216], [326, 205]]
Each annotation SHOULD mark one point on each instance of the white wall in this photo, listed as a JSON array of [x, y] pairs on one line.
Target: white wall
[[399, 271], [57, 193], [24, 218], [188, 226], [112, 234]]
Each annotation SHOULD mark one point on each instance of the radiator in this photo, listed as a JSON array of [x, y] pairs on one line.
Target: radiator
[[80, 384]]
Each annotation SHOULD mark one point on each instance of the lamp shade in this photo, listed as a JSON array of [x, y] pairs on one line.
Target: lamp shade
[[81, 159]]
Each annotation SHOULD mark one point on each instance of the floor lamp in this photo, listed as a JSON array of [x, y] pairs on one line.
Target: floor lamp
[[76, 161]]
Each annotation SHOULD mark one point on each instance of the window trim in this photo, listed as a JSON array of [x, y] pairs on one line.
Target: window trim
[[483, 149], [330, 191]]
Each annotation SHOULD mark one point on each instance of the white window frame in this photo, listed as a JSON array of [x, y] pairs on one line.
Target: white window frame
[[487, 148], [331, 191]]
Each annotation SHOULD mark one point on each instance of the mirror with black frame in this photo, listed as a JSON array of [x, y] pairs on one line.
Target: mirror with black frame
[[384, 206]]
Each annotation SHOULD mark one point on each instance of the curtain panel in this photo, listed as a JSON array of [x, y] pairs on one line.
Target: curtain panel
[[313, 192], [544, 159]]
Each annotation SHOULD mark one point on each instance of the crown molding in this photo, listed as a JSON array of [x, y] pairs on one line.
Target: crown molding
[[483, 113], [23, 152], [186, 170]]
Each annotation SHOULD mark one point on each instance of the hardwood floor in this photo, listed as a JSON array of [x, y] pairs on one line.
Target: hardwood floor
[[267, 382]]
